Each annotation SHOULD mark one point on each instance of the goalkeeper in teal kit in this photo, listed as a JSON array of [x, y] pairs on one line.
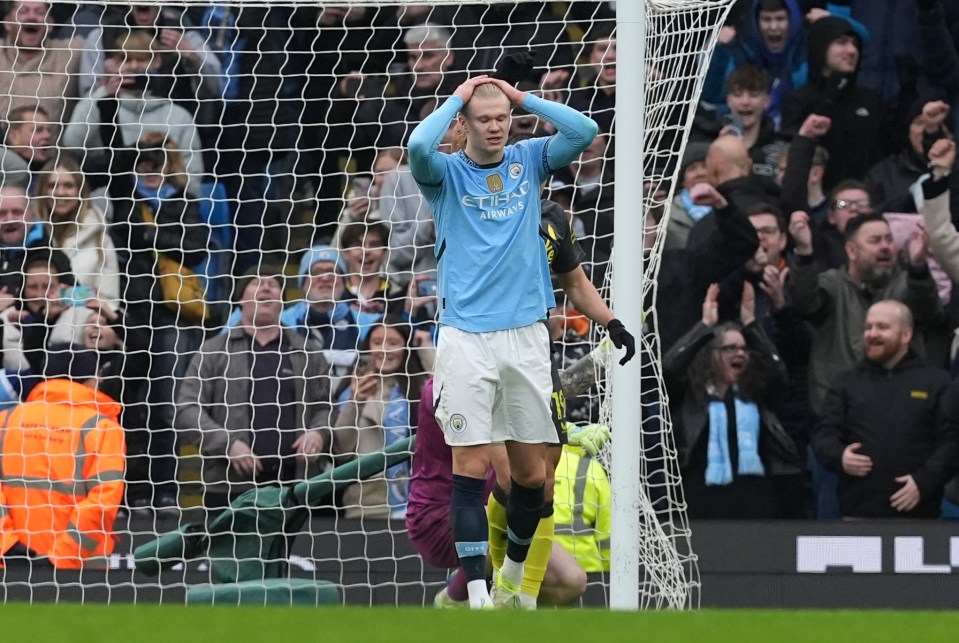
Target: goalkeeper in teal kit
[[492, 380]]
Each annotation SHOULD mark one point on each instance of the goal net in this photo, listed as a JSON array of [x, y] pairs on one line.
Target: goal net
[[208, 209]]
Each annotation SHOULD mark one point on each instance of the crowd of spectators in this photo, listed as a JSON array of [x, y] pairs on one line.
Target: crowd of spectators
[[163, 170]]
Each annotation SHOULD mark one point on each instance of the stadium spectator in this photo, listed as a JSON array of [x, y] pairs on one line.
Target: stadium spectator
[[28, 144], [257, 397], [161, 241], [42, 307], [124, 356], [370, 290], [847, 200], [890, 426], [376, 410], [801, 168], [737, 460], [767, 271], [597, 98], [187, 71], [140, 110], [686, 273], [747, 96], [66, 437], [590, 177], [936, 210], [36, 67], [858, 138], [890, 180], [411, 224], [684, 213], [322, 315], [366, 189], [729, 165], [77, 227], [17, 233]]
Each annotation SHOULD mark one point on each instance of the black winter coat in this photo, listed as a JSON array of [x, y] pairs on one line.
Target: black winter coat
[[907, 419]]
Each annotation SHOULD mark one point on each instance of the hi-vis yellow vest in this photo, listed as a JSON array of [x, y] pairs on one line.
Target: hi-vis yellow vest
[[582, 509]]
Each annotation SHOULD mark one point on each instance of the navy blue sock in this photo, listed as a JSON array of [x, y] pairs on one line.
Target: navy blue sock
[[524, 508], [470, 528]]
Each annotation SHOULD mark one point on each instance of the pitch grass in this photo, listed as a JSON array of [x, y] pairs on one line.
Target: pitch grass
[[46, 623]]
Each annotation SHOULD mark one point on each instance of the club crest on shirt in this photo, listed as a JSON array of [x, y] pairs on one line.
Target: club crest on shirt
[[494, 182], [515, 169], [457, 423]]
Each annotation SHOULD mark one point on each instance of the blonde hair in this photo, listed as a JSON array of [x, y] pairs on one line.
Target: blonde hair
[[137, 43], [62, 229], [488, 90]]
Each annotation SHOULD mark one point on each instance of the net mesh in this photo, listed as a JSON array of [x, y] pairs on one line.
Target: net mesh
[[176, 179]]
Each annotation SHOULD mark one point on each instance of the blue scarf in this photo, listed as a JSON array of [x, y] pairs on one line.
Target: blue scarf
[[719, 469], [693, 210], [155, 197], [396, 426]]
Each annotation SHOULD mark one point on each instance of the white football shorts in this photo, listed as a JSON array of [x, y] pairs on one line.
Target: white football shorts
[[495, 386]]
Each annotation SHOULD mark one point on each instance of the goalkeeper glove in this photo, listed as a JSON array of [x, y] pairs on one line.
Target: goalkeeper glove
[[589, 437], [515, 67], [621, 338]]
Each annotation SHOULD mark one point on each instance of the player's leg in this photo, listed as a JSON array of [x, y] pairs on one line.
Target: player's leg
[[542, 546], [526, 389], [463, 394], [524, 508], [565, 579], [540, 550], [430, 532], [496, 506]]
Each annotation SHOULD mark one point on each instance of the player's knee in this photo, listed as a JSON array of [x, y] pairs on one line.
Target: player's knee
[[530, 474], [575, 583]]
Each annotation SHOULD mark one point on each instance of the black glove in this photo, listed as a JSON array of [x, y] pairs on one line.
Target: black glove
[[621, 338], [516, 67]]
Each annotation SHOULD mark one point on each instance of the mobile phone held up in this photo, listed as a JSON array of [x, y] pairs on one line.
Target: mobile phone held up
[[77, 295]]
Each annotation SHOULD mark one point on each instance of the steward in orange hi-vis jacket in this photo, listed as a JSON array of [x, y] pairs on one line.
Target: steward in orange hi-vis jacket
[[61, 473]]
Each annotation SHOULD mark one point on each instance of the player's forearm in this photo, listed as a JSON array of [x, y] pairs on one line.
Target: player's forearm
[[425, 142], [574, 131], [584, 296]]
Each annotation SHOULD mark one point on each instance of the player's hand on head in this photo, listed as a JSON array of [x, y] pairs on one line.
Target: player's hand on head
[[621, 338], [514, 95], [465, 90]]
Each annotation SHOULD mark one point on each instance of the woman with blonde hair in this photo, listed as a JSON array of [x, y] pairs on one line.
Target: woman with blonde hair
[[77, 227]]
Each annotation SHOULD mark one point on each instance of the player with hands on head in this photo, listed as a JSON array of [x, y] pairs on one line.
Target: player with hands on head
[[494, 292]]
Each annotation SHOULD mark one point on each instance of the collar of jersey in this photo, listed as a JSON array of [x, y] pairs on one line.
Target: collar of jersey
[[473, 163]]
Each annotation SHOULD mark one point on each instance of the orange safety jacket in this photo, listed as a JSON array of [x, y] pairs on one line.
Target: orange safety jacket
[[62, 460]]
